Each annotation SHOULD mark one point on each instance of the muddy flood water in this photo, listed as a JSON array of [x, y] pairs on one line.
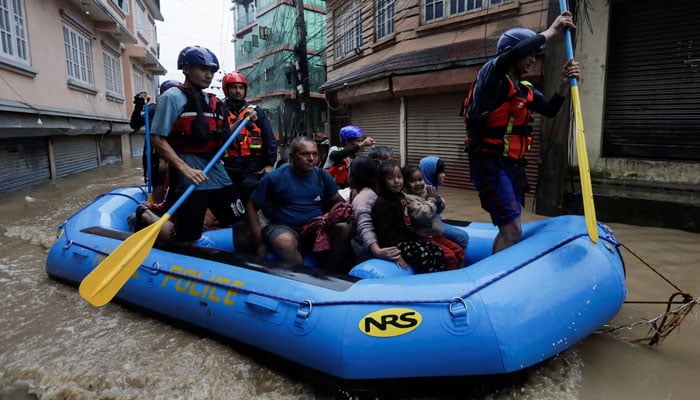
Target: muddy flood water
[[54, 345]]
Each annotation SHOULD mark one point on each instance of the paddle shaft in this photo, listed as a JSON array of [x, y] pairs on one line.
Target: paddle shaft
[[147, 125], [583, 166]]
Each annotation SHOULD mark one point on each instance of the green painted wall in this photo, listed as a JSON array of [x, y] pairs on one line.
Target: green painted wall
[[264, 55]]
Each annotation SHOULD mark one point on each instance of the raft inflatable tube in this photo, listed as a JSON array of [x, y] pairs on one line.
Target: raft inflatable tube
[[502, 313]]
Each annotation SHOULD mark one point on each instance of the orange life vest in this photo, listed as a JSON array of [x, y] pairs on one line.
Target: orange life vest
[[506, 129], [184, 138], [339, 172], [249, 140]]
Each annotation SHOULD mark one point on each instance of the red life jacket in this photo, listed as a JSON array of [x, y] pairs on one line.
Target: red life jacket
[[339, 172], [205, 140], [249, 140], [506, 129]]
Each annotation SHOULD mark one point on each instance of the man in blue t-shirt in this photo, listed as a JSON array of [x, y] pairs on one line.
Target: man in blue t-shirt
[[291, 196]]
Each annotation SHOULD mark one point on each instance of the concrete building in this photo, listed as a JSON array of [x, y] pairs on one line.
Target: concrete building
[[68, 72], [267, 53], [401, 69]]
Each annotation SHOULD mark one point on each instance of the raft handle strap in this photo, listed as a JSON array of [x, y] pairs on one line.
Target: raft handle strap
[[460, 300], [302, 312]]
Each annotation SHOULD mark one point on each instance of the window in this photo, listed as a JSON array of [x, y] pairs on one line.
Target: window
[[434, 10], [139, 84], [139, 81], [113, 74], [122, 5], [385, 18], [150, 86], [347, 28], [78, 56], [141, 27], [152, 30], [13, 31]]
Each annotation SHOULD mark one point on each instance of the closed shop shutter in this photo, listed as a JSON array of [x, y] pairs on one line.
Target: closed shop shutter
[[434, 127], [533, 156], [652, 94], [75, 154], [110, 149], [137, 144], [23, 163], [380, 120]]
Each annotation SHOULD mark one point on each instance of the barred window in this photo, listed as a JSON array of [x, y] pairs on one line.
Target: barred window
[[435, 10], [13, 31], [78, 56], [385, 18], [122, 5], [139, 83], [141, 25], [347, 29], [113, 74]]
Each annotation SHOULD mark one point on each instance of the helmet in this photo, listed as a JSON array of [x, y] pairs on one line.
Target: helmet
[[511, 37], [233, 77], [168, 84], [350, 132], [197, 55]]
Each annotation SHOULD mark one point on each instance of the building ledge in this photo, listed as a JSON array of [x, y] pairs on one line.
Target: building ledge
[[14, 66], [664, 205], [453, 55]]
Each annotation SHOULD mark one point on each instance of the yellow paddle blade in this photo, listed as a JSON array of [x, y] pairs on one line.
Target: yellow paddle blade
[[105, 281], [583, 168]]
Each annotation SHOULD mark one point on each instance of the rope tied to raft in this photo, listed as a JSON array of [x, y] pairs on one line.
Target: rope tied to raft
[[660, 326]]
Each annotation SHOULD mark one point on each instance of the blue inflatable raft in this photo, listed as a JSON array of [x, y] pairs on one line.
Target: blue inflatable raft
[[501, 314]]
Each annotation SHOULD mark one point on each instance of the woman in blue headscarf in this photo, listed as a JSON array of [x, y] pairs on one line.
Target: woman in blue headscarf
[[433, 169]]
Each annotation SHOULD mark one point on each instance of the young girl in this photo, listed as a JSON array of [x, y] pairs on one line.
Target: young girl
[[425, 206], [433, 169], [362, 178], [393, 226]]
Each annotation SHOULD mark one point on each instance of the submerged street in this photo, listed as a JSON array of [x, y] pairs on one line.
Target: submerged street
[[56, 346]]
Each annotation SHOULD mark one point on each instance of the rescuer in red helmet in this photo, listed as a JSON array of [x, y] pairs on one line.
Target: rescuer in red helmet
[[254, 152]]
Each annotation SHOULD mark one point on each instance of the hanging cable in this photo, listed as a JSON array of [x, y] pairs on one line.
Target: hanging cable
[[662, 325]]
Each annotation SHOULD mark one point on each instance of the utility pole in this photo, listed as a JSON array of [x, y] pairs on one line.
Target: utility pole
[[302, 68]]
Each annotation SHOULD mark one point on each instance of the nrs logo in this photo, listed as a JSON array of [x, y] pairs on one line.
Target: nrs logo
[[390, 322]]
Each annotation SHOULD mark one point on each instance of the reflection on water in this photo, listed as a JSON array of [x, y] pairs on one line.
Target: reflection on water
[[54, 345]]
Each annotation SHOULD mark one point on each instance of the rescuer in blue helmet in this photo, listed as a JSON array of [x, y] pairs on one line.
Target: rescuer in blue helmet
[[338, 161], [188, 128]]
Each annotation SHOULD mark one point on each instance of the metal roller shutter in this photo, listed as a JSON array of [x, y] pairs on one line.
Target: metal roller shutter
[[434, 127], [380, 120], [110, 149], [23, 163], [137, 144], [74, 154], [652, 94]]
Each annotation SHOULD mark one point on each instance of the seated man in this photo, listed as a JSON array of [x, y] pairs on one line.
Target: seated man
[[291, 196]]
